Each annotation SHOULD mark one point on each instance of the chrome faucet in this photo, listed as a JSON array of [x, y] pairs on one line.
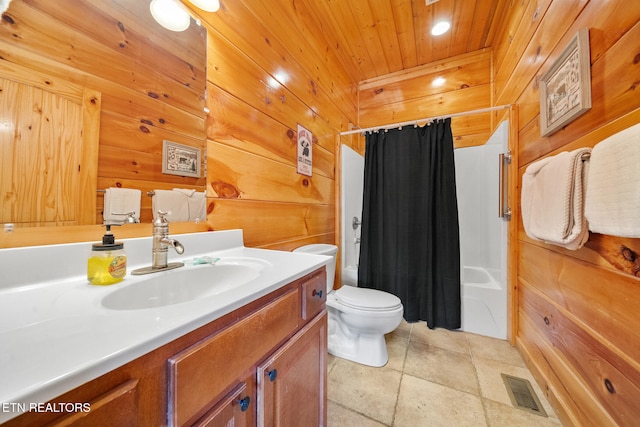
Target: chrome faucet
[[161, 242], [160, 247]]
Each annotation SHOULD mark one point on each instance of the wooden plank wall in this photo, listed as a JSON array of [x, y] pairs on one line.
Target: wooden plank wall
[[267, 72], [576, 313], [152, 82], [411, 95]]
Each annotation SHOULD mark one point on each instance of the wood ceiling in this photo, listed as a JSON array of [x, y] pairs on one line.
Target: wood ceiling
[[378, 37]]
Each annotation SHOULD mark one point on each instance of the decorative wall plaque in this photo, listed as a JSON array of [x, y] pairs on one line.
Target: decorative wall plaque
[[179, 159], [565, 90]]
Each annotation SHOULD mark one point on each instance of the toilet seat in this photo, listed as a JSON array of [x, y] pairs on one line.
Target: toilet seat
[[367, 299]]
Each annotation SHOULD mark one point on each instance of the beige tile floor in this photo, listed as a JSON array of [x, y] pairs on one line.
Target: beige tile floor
[[433, 378]]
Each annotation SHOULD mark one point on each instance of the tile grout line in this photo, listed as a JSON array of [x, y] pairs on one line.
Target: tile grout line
[[358, 412], [475, 371], [404, 361]]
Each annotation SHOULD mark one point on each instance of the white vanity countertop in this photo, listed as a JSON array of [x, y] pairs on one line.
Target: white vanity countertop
[[55, 334]]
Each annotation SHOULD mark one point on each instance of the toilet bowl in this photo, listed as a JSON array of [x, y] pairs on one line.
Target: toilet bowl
[[358, 317]]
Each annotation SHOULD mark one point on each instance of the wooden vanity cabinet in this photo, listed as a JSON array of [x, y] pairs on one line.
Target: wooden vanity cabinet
[[200, 374], [215, 375]]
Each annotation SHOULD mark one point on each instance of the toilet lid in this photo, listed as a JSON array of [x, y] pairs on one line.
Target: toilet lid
[[365, 298]]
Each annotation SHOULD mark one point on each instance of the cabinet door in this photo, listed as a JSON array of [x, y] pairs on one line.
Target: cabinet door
[[292, 383], [237, 409]]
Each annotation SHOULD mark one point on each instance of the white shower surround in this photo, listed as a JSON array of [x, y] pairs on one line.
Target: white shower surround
[[483, 236], [352, 189]]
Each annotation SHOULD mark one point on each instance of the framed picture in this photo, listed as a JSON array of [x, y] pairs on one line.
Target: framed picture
[[179, 159], [565, 90], [304, 154]]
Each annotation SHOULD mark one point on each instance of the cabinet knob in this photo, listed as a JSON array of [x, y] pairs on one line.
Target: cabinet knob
[[272, 375], [316, 293], [244, 403]]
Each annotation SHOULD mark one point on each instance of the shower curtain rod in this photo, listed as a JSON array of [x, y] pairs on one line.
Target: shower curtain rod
[[428, 120]]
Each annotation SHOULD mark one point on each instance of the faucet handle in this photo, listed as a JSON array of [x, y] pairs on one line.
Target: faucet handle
[[162, 218], [130, 217]]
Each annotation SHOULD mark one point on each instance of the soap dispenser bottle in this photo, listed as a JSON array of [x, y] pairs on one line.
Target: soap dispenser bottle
[[107, 263]]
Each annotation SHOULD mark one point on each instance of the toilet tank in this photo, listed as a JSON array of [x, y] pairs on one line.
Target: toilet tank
[[350, 276], [323, 249]]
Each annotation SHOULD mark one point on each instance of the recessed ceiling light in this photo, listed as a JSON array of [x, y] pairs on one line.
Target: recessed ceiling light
[[438, 81], [170, 14], [207, 5], [440, 28]]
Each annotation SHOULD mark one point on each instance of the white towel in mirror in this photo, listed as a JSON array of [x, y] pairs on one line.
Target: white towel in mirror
[[175, 203], [197, 204], [121, 201]]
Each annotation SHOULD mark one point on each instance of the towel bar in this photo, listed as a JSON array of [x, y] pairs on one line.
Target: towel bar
[[149, 193]]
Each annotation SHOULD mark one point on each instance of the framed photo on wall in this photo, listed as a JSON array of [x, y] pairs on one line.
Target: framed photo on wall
[[565, 90], [179, 159], [304, 153]]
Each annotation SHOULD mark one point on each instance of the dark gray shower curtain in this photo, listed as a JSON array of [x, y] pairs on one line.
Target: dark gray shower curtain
[[410, 242]]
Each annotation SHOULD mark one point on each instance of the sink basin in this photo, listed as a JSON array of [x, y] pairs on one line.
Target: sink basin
[[186, 284]]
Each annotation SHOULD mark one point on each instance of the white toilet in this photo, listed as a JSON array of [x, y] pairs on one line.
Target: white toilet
[[358, 317]]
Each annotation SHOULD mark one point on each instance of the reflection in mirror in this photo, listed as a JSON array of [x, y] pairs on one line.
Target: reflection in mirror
[[48, 149], [88, 93]]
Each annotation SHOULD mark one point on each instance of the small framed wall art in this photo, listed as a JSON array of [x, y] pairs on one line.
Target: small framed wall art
[[565, 90], [179, 159], [304, 153]]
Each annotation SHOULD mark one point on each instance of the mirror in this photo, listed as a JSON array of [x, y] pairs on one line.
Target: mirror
[[91, 90]]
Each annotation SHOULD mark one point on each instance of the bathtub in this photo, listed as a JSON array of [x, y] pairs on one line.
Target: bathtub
[[484, 303]]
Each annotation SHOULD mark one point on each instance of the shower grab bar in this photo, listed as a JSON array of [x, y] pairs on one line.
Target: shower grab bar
[[504, 211]]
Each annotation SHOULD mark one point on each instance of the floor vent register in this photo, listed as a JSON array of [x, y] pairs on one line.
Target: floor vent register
[[522, 395]]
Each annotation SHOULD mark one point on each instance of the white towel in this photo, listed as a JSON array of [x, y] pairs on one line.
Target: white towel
[[552, 200], [121, 201], [197, 204], [175, 203], [613, 187]]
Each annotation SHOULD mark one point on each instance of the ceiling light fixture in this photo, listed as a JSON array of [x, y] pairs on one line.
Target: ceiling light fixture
[[4, 5], [440, 28], [438, 81], [172, 15], [207, 5]]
